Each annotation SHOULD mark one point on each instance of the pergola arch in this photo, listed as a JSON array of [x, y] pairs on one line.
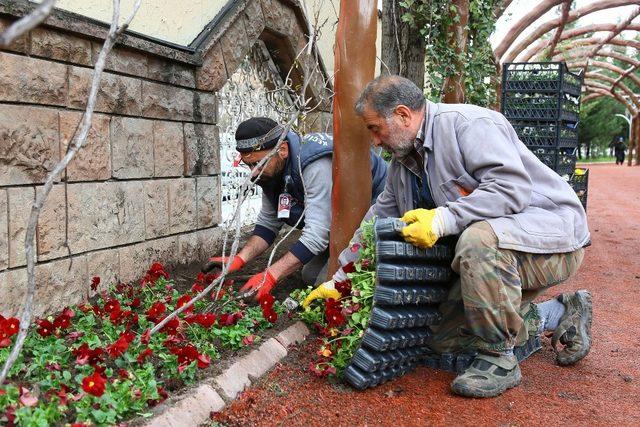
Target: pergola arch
[[604, 90], [501, 50], [578, 53], [607, 66], [597, 76], [535, 50]]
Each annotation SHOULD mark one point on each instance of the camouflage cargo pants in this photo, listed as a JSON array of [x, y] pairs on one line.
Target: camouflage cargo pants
[[490, 305]]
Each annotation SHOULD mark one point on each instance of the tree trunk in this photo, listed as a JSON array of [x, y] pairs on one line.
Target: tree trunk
[[453, 86], [403, 48], [355, 63]]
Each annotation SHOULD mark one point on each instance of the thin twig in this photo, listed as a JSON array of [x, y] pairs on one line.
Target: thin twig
[[78, 140], [26, 23]]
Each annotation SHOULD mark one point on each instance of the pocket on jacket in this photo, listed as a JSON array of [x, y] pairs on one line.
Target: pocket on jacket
[[540, 222], [459, 187]]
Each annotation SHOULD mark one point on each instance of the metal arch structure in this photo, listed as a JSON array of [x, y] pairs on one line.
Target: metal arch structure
[[536, 50], [580, 54], [597, 76], [609, 67], [506, 52]]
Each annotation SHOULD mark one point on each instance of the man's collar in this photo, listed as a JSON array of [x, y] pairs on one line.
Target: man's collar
[[424, 134]]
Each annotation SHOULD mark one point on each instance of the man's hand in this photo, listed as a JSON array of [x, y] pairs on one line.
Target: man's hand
[[425, 227], [325, 290], [264, 282], [219, 261]]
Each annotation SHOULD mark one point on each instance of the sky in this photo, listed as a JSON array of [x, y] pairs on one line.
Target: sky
[[519, 8]]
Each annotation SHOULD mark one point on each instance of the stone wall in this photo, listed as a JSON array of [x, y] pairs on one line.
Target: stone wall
[[146, 187]]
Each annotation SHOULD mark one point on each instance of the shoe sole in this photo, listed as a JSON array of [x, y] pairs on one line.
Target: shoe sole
[[585, 330], [466, 391]]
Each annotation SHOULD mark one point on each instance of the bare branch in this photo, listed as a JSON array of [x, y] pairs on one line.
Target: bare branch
[[26, 23], [77, 142]]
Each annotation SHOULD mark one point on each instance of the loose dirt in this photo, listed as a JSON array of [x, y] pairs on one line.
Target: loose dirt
[[603, 389]]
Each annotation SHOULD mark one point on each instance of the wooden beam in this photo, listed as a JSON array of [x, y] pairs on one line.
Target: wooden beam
[[566, 7]]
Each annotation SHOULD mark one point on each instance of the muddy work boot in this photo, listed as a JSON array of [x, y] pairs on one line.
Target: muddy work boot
[[488, 376], [574, 329]]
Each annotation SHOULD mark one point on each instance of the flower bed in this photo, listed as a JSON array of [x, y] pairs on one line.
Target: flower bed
[[341, 324], [98, 363]]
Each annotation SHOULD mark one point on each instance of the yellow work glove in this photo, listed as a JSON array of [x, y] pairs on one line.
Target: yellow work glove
[[325, 290], [425, 227]]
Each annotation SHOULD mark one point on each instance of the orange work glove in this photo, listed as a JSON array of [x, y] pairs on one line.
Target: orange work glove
[[219, 261], [264, 282]]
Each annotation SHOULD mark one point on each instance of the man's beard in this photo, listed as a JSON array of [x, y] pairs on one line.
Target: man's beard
[[400, 142], [268, 181]]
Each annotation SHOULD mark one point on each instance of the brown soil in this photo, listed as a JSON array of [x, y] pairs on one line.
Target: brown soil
[[604, 388]]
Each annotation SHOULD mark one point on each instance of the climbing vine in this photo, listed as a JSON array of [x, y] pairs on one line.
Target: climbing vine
[[433, 19]]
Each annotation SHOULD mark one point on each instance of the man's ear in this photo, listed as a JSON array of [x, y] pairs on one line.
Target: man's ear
[[283, 151], [405, 114]]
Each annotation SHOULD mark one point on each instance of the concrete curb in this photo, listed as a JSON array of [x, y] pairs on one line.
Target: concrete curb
[[194, 406]]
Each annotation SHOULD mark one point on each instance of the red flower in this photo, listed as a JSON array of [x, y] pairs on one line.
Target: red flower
[[62, 321], [123, 373], [45, 328], [154, 273], [344, 287], [94, 384], [334, 318], [206, 320], [271, 316], [95, 281], [266, 302], [203, 361], [147, 352], [227, 319], [85, 355], [121, 345], [156, 310], [322, 370], [111, 306], [355, 247], [331, 304], [248, 340], [183, 300], [171, 327], [349, 268], [145, 337], [197, 288], [8, 327], [135, 303]]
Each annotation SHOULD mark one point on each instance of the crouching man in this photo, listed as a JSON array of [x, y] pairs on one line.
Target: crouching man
[[461, 170], [298, 176]]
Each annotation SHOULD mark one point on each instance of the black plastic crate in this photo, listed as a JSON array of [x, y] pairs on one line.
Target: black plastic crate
[[391, 250], [362, 380], [580, 179], [409, 295], [542, 77], [371, 361], [561, 160], [547, 134], [380, 340], [389, 318], [405, 274], [540, 106]]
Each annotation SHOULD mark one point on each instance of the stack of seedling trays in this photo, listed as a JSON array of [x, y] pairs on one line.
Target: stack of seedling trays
[[542, 102], [410, 284]]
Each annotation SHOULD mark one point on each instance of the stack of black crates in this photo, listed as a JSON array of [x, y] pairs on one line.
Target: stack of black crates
[[542, 102]]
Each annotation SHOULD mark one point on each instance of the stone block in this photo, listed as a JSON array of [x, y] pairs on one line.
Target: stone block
[[132, 147], [4, 230], [294, 334], [278, 17], [93, 161], [205, 107], [156, 208], [233, 380], [29, 146], [168, 148], [182, 202], [171, 72], [208, 201], [212, 75], [210, 241], [191, 409], [52, 225], [235, 45], [190, 248], [20, 202], [105, 265], [105, 214], [254, 20], [21, 44], [124, 61], [59, 284], [117, 94], [60, 46], [136, 259], [37, 81], [162, 101], [202, 149], [260, 361]]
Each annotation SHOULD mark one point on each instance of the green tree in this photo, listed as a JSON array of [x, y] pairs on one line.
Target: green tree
[[599, 125]]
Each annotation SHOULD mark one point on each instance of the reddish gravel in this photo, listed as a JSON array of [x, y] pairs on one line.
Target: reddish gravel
[[604, 388]]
